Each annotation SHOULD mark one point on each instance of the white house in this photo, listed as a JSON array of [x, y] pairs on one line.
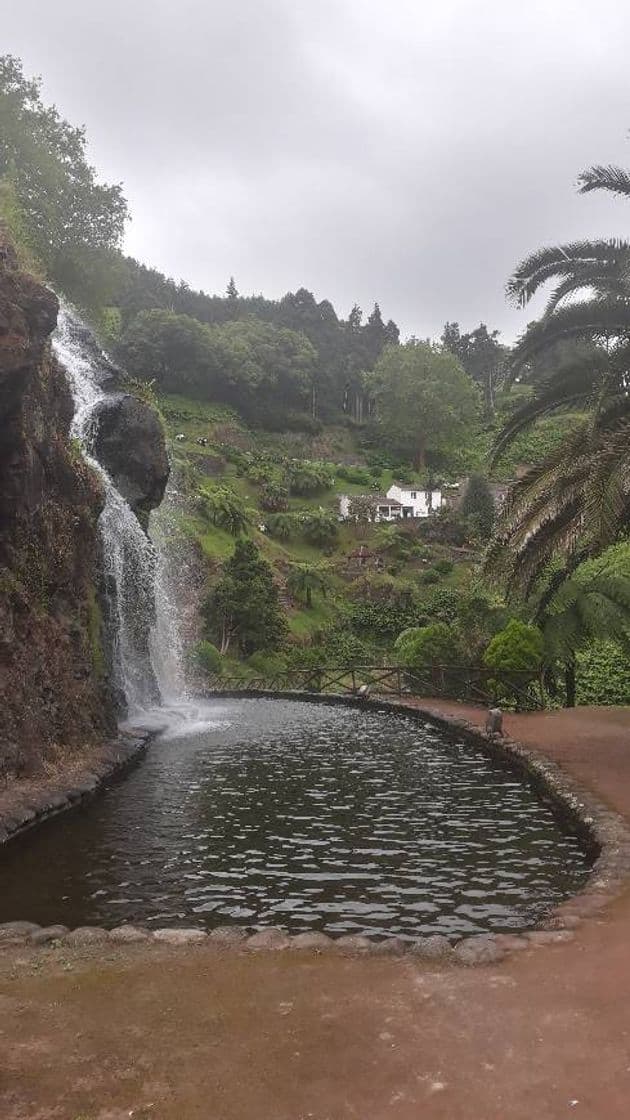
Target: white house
[[398, 503], [414, 502]]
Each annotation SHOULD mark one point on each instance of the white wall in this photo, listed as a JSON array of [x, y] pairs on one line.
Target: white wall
[[419, 504]]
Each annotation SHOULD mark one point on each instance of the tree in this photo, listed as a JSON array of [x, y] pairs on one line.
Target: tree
[[224, 508], [67, 214], [581, 491], [575, 610], [481, 355], [425, 403], [231, 290], [320, 528], [478, 506], [304, 579], [244, 604], [281, 525], [362, 509]]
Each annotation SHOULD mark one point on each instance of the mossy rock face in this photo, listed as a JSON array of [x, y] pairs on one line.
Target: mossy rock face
[[53, 686]]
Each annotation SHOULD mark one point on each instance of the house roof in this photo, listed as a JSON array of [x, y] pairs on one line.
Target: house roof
[[383, 500]]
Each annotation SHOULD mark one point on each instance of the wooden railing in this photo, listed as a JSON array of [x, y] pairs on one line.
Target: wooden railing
[[477, 685]]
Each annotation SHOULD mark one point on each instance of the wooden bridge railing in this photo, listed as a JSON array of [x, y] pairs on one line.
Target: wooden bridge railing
[[477, 685]]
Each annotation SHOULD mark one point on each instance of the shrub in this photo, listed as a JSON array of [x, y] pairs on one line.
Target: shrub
[[308, 478], [602, 674], [516, 654], [274, 497], [422, 646], [267, 664], [444, 566], [518, 648], [360, 476], [430, 576], [320, 528], [207, 657]]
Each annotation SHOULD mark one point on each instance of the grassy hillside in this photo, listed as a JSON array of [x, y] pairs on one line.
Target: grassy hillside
[[401, 570]]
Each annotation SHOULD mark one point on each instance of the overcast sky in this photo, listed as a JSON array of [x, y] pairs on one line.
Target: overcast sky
[[403, 152]]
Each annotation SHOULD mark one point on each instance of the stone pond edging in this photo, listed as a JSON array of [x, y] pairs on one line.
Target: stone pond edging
[[602, 830], [27, 809]]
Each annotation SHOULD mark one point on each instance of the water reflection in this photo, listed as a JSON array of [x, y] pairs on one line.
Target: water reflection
[[305, 816]]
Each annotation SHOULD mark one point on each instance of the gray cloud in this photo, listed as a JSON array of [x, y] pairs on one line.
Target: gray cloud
[[404, 153]]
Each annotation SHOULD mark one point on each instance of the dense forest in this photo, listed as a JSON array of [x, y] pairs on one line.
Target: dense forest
[[280, 406]]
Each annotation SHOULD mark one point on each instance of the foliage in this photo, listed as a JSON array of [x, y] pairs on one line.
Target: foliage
[[581, 491], [207, 657], [425, 403], [517, 649], [70, 220], [224, 508], [444, 566], [282, 526], [435, 644], [274, 497], [602, 674], [244, 604], [304, 579], [481, 355], [320, 528], [308, 478], [362, 509], [478, 506]]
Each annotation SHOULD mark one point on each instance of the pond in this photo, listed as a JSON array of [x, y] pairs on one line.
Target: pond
[[305, 816]]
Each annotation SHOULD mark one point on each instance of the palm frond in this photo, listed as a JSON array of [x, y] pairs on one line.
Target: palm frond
[[605, 178], [595, 319], [561, 261]]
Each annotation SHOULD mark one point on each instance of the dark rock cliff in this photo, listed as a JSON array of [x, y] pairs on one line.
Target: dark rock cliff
[[129, 443], [53, 688]]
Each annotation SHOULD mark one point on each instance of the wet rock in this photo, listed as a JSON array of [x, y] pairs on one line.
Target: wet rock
[[480, 949], [352, 943], [271, 938], [228, 936], [47, 934], [315, 940], [549, 936], [433, 948], [86, 935], [17, 929], [128, 935], [129, 442], [180, 936]]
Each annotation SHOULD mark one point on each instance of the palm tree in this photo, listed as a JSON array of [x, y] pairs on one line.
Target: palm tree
[[576, 610], [577, 498], [304, 579]]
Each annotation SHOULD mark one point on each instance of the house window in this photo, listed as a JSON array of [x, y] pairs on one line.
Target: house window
[[413, 494]]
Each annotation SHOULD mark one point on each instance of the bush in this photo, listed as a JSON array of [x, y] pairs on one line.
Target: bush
[[360, 476], [306, 478], [274, 498], [602, 675], [422, 646], [444, 566], [516, 654], [267, 664], [207, 657], [430, 576], [518, 648]]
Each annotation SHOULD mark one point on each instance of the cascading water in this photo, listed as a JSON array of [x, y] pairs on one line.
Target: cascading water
[[142, 618]]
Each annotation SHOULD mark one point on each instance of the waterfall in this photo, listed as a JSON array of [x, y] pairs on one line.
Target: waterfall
[[142, 617]]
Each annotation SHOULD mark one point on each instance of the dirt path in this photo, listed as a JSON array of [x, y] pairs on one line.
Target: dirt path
[[199, 1034]]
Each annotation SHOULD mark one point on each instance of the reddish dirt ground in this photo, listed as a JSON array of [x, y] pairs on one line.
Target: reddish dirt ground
[[200, 1034]]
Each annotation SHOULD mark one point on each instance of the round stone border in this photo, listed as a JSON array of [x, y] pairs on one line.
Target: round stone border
[[600, 829]]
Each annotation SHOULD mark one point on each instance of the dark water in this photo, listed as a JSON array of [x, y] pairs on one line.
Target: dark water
[[307, 817]]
